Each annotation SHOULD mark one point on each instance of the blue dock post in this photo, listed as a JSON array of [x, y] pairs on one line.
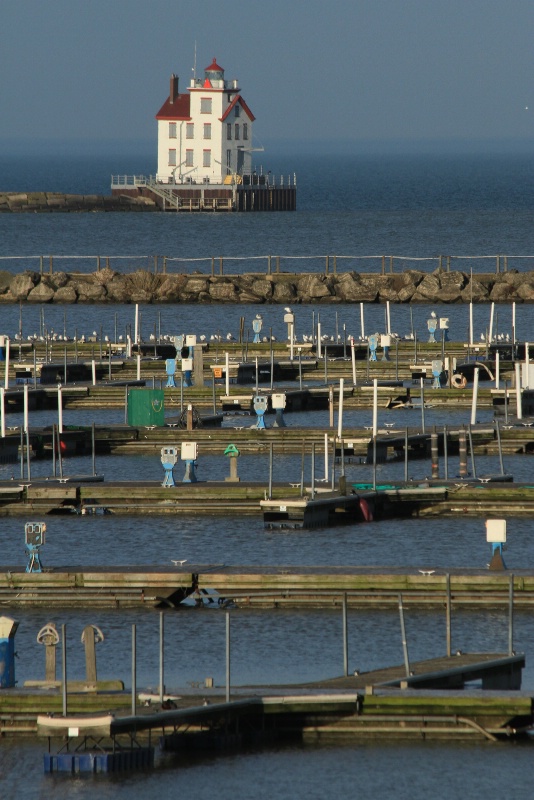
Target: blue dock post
[[260, 407], [437, 369], [169, 457], [256, 327], [8, 629], [189, 454], [432, 324], [373, 344], [496, 536], [170, 368], [34, 538]]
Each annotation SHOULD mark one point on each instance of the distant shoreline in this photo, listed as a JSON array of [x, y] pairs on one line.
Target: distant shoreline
[[54, 202]]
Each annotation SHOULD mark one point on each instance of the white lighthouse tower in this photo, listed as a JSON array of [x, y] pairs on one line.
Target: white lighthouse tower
[[205, 133]]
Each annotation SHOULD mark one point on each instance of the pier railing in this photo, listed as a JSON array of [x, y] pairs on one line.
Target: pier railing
[[248, 179], [266, 264]]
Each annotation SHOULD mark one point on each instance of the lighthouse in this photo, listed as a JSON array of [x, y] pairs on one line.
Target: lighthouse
[[205, 133], [204, 159]]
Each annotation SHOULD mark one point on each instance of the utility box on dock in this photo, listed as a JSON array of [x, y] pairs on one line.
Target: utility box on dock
[[8, 629], [146, 407]]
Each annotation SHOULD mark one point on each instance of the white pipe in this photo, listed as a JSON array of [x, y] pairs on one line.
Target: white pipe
[[25, 424], [59, 409], [93, 371], [292, 341], [375, 406], [318, 340], [388, 319], [136, 327], [527, 362], [326, 456], [470, 323], [340, 410], [2, 413], [490, 332], [6, 382], [518, 390], [362, 323], [513, 323], [353, 359], [497, 369], [128, 346], [475, 398], [139, 366], [227, 373]]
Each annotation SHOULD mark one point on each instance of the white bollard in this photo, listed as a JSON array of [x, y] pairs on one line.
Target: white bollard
[[375, 406], [2, 413], [340, 410], [60, 409], [519, 404], [25, 423]]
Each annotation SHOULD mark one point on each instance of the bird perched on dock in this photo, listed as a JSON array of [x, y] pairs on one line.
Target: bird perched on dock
[[229, 337]]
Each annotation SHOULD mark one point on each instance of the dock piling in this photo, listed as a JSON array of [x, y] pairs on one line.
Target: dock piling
[[228, 675], [345, 638], [404, 640]]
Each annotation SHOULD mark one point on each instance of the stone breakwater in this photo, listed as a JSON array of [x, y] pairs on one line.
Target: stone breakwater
[[42, 202], [109, 286]]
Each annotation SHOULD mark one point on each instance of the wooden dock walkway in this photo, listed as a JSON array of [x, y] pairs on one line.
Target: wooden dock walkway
[[151, 586]]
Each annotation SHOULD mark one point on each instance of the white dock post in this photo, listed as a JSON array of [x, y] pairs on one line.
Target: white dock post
[[375, 406], [362, 323], [340, 410], [136, 326], [138, 366], [25, 424], [326, 456], [490, 332], [353, 359], [227, 373], [3, 412], [59, 409], [475, 396], [497, 369], [6, 380], [519, 404]]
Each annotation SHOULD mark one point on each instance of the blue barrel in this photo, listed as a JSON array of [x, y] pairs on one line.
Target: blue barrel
[[8, 628]]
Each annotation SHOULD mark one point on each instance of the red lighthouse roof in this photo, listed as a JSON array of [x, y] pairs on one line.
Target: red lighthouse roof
[[214, 67]]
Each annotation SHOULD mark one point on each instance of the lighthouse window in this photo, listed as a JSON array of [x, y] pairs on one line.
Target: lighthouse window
[[205, 105], [172, 158], [189, 158], [245, 130], [206, 159], [237, 111], [229, 130], [236, 131], [229, 160], [172, 130], [190, 130], [207, 130]]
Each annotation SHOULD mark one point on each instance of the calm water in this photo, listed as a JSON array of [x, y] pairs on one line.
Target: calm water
[[412, 207]]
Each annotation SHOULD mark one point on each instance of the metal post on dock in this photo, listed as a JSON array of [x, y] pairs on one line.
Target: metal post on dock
[[406, 455], [326, 470], [161, 657], [475, 396], [340, 409], [331, 407], [59, 455], [270, 470], [228, 676], [422, 406], [374, 462], [272, 363], [65, 365], [21, 448], [28, 462], [214, 395], [375, 407], [519, 404], [473, 466], [353, 361], [448, 614], [404, 641], [462, 449], [93, 371], [134, 670], [181, 392], [325, 366], [26, 406], [445, 453], [302, 469], [345, 638], [511, 616], [34, 368], [64, 668], [499, 445], [434, 456], [59, 408], [333, 462], [93, 453], [125, 405], [313, 471], [2, 412], [54, 449]]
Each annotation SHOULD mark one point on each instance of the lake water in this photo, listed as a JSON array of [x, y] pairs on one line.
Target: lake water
[[411, 207]]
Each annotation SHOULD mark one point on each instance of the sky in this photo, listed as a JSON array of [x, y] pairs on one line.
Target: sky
[[341, 74]]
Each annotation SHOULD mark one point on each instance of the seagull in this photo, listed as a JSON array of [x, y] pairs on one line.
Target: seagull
[[427, 571], [179, 562], [287, 310]]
